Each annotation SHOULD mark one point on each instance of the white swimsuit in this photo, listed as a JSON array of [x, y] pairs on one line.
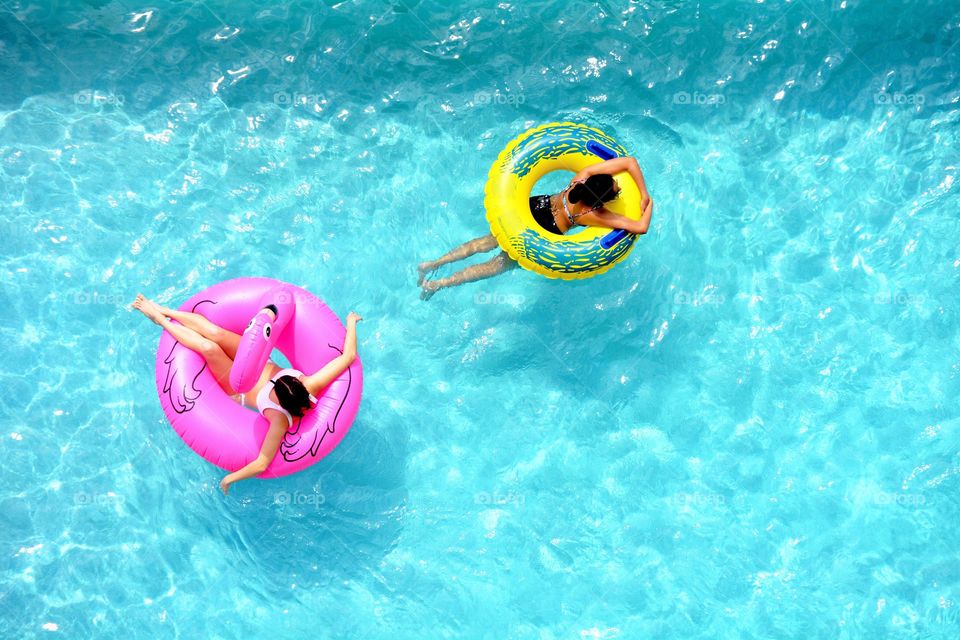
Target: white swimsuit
[[264, 401]]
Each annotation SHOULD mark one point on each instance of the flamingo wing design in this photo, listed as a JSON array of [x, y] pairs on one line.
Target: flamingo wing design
[[295, 446], [180, 385]]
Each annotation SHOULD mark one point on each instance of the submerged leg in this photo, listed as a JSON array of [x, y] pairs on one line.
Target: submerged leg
[[467, 249], [488, 269]]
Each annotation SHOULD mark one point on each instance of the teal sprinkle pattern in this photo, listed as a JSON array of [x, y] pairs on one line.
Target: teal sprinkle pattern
[[553, 142], [569, 257]]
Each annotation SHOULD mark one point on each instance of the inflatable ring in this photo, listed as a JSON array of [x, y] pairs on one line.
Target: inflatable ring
[[557, 146], [219, 429]]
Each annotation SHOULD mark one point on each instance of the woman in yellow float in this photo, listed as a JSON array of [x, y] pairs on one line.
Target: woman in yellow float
[[607, 192]]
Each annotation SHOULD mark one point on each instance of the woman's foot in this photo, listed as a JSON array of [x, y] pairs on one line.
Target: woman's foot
[[423, 270], [159, 308], [148, 308], [429, 287]]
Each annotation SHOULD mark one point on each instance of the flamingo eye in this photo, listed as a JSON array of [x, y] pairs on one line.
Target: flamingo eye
[[267, 331], [249, 324]]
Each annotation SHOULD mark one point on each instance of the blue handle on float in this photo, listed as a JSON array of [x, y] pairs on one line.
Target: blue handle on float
[[613, 238], [601, 150], [605, 152]]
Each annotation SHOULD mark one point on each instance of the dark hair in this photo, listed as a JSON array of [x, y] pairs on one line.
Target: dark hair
[[594, 191], [292, 395]]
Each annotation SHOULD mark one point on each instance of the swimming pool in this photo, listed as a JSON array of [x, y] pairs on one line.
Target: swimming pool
[[746, 430]]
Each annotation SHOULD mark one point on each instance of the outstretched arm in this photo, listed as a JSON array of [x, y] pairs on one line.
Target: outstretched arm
[[318, 381], [278, 427]]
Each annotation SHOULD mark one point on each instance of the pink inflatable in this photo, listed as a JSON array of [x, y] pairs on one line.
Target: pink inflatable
[[305, 331], [260, 338]]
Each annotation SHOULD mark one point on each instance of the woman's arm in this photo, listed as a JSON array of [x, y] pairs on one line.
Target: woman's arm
[[614, 166], [646, 212], [318, 381], [612, 220], [278, 427]]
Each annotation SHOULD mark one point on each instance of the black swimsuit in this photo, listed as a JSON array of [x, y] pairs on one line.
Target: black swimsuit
[[543, 213]]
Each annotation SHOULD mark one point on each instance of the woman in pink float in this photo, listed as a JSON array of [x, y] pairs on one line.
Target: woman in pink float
[[278, 394]]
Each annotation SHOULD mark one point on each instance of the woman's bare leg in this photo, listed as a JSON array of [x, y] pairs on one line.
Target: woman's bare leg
[[226, 339], [216, 358], [488, 269], [467, 249]]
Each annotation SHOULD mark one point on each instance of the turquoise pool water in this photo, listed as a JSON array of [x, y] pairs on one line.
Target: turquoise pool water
[[747, 430]]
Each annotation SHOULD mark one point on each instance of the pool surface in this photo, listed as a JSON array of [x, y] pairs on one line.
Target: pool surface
[[749, 429]]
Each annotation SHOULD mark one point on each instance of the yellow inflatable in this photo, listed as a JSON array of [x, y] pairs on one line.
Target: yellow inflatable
[[551, 147]]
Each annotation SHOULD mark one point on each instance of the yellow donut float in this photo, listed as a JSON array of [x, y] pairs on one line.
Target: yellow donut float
[[551, 147]]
